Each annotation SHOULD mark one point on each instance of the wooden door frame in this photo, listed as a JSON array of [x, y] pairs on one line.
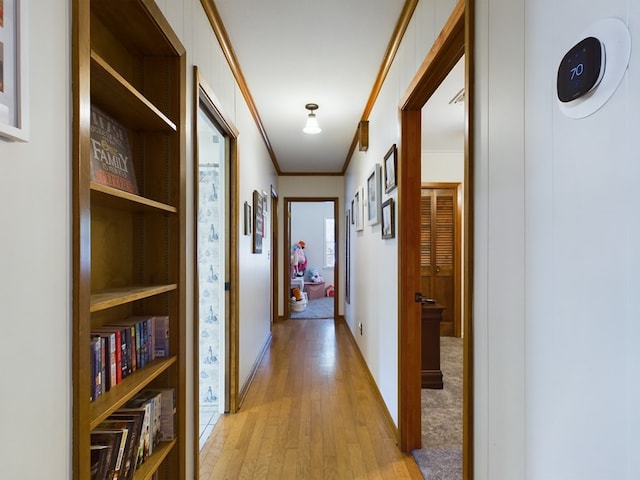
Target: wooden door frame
[[202, 90], [274, 256], [287, 245], [457, 292], [455, 40]]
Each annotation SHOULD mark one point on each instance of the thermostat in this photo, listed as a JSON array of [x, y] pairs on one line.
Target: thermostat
[[581, 69], [591, 70]]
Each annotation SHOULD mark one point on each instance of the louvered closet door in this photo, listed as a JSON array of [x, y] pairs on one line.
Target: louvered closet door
[[437, 266]]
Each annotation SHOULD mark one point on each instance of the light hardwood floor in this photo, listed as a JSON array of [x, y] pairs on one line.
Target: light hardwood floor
[[311, 413]]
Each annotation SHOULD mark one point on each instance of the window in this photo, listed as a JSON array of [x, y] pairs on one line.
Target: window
[[329, 243]]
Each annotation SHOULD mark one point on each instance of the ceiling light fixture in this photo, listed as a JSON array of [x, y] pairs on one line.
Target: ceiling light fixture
[[312, 126]]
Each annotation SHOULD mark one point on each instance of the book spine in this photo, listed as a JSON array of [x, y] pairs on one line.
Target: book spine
[[118, 357], [94, 368], [103, 365], [134, 351], [124, 337]]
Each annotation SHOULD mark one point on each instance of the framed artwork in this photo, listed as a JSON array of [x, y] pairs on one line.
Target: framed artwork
[[373, 196], [258, 222], [388, 219], [390, 167], [358, 204], [247, 218], [14, 91], [347, 259], [353, 222]]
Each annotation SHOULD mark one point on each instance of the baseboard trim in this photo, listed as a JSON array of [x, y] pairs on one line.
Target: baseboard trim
[[245, 388], [372, 381]]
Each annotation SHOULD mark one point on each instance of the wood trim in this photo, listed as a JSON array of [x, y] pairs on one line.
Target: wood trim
[[275, 245], [410, 326], [468, 242], [287, 246], [182, 264], [311, 174], [447, 49], [394, 43], [81, 49], [454, 41], [223, 38], [224, 122]]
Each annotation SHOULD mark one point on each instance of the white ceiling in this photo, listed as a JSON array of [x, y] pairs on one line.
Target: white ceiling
[[293, 52]]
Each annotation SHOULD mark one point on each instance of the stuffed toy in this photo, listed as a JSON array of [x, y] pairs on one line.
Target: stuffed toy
[[314, 276], [298, 259], [297, 294]]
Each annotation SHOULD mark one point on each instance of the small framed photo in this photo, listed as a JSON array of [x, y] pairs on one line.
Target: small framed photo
[[14, 81], [353, 222], [390, 167], [258, 220], [358, 206], [373, 196], [247, 218], [388, 219]]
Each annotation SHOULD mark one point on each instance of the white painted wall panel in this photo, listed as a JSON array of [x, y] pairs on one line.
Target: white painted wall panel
[[35, 262]]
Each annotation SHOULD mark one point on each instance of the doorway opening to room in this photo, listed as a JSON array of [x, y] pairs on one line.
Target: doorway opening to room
[[310, 279], [215, 267], [453, 44]]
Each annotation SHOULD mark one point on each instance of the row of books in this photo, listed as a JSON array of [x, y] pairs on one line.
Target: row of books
[[119, 349], [122, 442]]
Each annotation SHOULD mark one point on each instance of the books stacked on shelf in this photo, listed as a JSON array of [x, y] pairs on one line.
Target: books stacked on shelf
[[119, 349], [110, 153], [122, 442]]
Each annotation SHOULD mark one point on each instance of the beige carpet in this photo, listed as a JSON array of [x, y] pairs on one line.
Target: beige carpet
[[440, 457]]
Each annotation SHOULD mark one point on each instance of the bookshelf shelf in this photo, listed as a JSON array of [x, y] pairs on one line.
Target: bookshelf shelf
[[112, 197], [148, 468], [128, 249], [123, 392], [121, 99], [120, 296]]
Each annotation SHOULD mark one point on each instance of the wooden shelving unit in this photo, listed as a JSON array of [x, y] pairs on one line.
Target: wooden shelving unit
[[128, 250]]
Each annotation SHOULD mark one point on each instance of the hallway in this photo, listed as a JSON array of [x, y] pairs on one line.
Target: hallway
[[311, 413]]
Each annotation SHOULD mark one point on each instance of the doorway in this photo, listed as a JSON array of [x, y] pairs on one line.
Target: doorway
[[454, 42], [310, 280], [440, 251], [215, 267]]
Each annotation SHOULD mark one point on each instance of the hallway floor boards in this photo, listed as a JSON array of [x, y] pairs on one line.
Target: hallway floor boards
[[310, 413]]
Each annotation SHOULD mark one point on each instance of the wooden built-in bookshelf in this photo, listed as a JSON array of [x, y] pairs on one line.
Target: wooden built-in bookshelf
[[129, 249]]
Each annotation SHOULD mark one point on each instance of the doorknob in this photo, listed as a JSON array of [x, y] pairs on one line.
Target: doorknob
[[437, 269]]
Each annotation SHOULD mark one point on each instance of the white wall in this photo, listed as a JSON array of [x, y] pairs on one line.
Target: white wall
[[374, 279], [582, 236], [35, 263], [443, 166], [556, 254]]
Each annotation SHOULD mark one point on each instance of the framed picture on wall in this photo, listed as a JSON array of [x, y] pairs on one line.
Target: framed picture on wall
[[389, 169], [347, 259], [358, 204], [257, 222], [14, 85], [388, 219], [373, 196], [247, 218]]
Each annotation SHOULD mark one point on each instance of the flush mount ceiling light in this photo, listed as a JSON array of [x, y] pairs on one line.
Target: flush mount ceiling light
[[312, 126]]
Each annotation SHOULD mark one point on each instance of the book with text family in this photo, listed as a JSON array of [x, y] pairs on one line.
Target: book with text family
[[111, 162]]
